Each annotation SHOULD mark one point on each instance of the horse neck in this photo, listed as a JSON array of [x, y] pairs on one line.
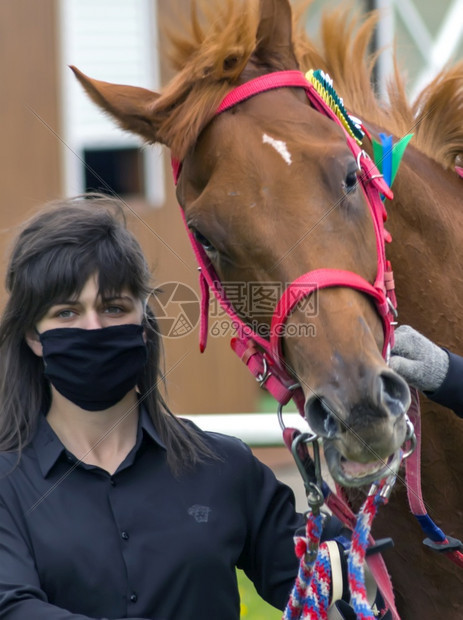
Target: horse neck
[[426, 223]]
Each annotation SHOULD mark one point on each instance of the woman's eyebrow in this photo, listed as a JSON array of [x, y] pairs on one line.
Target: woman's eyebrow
[[113, 297], [64, 302]]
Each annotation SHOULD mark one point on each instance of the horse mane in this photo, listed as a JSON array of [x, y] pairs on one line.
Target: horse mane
[[220, 39], [434, 117]]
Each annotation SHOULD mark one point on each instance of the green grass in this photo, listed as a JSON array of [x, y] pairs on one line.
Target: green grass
[[267, 404], [252, 606]]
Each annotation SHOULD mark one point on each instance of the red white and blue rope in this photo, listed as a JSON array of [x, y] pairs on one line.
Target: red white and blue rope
[[356, 558], [310, 597]]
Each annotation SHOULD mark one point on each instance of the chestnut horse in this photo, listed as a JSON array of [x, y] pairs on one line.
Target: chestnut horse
[[269, 189]]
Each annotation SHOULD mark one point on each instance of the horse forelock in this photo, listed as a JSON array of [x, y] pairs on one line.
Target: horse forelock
[[210, 53], [211, 49]]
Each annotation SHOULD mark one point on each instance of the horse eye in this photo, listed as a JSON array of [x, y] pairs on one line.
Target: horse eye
[[200, 238], [350, 182]]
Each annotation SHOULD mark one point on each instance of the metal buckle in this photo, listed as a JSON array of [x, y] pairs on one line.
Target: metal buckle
[[262, 377], [411, 437], [313, 488], [360, 154], [392, 308]]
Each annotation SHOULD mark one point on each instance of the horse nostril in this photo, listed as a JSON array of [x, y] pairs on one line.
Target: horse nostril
[[321, 419], [394, 393]]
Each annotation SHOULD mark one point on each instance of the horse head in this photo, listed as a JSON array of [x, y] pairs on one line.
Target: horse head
[[270, 191]]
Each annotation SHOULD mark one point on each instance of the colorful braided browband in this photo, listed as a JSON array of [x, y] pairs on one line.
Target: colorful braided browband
[[323, 84]]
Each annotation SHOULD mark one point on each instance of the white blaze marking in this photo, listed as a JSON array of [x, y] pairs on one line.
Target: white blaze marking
[[279, 146]]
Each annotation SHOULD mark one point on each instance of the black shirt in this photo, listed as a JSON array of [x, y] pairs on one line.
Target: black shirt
[[76, 542]]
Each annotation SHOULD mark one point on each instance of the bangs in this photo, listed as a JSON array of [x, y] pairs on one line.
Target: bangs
[[61, 273], [116, 272], [61, 248]]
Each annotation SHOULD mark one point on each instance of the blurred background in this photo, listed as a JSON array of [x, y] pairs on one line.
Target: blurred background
[[54, 142]]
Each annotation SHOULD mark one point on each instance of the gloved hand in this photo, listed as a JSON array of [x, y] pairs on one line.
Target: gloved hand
[[419, 361]]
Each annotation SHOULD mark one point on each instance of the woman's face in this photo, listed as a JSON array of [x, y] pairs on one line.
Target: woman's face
[[90, 311]]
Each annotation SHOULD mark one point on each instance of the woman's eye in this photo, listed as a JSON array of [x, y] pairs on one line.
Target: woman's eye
[[114, 310], [65, 314], [350, 182], [200, 238]]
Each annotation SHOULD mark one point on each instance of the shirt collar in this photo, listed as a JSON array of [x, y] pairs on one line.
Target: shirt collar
[[145, 423], [49, 448]]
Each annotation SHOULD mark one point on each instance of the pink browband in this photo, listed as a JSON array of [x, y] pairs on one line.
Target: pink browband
[[264, 358]]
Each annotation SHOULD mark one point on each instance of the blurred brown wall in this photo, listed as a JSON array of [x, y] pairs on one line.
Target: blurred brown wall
[[29, 166], [31, 173]]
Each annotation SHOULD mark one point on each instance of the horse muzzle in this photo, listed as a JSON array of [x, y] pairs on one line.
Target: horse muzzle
[[363, 436]]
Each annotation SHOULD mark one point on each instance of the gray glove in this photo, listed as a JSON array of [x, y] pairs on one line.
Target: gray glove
[[421, 363]]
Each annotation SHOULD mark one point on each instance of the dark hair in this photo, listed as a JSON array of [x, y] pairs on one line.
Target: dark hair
[[52, 258]]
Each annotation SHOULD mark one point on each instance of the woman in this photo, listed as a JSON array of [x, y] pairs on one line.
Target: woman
[[111, 507]]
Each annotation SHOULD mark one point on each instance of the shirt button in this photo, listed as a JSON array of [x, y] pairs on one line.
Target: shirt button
[[133, 598], [125, 535], [112, 482]]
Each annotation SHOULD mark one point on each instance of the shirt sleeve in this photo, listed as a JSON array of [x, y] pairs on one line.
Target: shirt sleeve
[[269, 558], [450, 393], [20, 594]]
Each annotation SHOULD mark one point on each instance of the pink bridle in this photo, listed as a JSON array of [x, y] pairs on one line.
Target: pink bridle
[[264, 357]]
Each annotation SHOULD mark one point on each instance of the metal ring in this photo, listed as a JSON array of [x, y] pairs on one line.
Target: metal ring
[[376, 176], [411, 437], [392, 308], [361, 153], [387, 356], [280, 417], [262, 377], [293, 387]]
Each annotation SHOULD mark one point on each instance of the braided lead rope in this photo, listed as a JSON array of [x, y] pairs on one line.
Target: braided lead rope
[[321, 583], [360, 539], [310, 597]]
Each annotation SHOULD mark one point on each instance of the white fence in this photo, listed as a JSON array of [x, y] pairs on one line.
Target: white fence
[[256, 429]]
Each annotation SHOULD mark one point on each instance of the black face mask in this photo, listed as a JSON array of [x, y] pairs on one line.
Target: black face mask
[[94, 368]]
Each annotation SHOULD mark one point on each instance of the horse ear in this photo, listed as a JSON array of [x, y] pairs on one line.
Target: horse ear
[[130, 106], [274, 34]]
